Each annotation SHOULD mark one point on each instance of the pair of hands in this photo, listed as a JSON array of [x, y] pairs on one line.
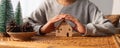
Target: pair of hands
[[49, 26]]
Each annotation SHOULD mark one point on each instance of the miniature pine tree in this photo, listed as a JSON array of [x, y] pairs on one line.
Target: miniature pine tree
[[18, 14], [9, 11], [6, 14]]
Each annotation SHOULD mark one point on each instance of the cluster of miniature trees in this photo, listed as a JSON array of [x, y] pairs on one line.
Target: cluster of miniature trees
[[10, 21]]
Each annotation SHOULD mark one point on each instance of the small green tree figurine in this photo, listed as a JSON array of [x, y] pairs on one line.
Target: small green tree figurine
[[6, 15], [18, 14]]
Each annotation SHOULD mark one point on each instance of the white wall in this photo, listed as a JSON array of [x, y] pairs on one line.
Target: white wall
[[105, 6], [116, 7], [108, 6], [27, 6]]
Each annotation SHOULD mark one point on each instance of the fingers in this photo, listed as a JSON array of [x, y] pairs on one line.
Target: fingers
[[71, 18], [57, 18], [63, 17]]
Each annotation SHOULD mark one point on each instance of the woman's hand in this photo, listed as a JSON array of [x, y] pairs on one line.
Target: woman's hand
[[57, 18], [78, 26], [49, 26]]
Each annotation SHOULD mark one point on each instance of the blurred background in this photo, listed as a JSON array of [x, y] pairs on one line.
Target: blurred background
[[108, 7]]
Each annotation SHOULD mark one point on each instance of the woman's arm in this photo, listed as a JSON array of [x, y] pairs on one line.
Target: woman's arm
[[99, 26], [38, 18]]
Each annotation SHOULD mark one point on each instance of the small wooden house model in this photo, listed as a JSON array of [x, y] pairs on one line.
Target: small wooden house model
[[64, 29]]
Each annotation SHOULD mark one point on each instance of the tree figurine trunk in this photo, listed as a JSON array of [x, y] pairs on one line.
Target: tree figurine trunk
[[6, 15], [18, 14]]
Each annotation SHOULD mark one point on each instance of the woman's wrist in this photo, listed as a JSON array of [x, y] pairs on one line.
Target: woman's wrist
[[78, 23], [40, 32], [47, 27], [80, 27], [50, 22]]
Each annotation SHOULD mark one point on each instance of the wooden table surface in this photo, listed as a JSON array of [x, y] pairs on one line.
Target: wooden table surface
[[51, 41]]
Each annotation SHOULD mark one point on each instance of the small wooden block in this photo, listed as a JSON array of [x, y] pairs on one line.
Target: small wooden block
[[64, 29]]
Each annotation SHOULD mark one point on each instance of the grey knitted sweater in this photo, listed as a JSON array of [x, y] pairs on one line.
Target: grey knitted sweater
[[84, 10]]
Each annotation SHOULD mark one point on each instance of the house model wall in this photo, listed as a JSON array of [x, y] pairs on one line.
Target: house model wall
[[64, 29]]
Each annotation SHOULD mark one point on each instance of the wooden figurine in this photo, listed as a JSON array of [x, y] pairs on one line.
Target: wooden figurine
[[64, 29]]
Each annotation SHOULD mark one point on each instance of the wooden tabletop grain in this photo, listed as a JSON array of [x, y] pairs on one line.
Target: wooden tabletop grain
[[51, 41]]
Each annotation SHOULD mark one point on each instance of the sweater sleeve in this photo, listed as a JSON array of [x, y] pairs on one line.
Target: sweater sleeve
[[99, 26], [38, 18]]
